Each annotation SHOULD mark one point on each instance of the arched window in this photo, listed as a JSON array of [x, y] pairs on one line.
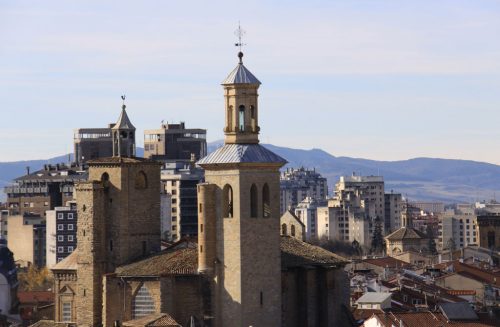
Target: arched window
[[266, 202], [143, 303], [105, 180], [253, 201], [292, 230], [241, 118], [252, 118], [141, 180], [230, 118], [227, 201], [283, 229]]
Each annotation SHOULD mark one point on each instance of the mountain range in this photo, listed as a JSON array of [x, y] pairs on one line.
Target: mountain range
[[425, 179]]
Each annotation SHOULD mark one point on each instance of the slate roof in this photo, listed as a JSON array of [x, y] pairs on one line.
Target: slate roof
[[241, 153], [240, 75], [458, 311], [153, 320], [405, 233], [123, 121], [64, 173], [117, 160], [295, 253]]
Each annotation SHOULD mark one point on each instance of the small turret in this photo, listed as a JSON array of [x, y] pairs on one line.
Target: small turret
[[123, 134], [240, 92]]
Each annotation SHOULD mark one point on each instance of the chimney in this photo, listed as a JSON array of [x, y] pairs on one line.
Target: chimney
[[27, 170]]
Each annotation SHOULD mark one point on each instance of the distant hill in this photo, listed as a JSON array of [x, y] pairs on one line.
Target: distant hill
[[446, 180]]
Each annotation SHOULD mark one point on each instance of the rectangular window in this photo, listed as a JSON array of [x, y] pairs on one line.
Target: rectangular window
[[60, 227], [70, 249], [60, 215], [66, 311], [70, 238], [60, 249], [70, 226], [70, 215], [60, 238]]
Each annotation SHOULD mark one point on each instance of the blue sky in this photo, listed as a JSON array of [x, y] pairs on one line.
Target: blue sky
[[384, 79]]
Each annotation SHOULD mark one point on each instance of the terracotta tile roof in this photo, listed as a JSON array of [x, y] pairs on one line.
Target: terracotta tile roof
[[51, 323], [387, 262], [154, 320], [183, 261], [295, 253], [68, 263], [427, 319], [35, 297], [405, 233]]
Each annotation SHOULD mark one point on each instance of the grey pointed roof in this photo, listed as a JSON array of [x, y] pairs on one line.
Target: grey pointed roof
[[123, 121], [241, 153], [405, 233], [240, 75]]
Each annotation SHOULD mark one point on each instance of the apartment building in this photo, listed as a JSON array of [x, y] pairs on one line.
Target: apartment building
[[28, 239], [61, 233], [298, 184]]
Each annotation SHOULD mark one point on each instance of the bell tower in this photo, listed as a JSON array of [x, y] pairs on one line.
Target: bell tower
[[123, 135], [239, 213], [240, 95]]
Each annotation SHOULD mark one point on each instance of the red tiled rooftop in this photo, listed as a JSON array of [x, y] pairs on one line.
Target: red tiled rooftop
[[427, 319], [387, 262], [35, 297]]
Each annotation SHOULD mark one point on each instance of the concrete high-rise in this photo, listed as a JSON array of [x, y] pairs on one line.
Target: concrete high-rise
[[175, 142]]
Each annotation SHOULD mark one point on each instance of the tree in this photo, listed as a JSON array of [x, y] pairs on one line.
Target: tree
[[431, 243], [356, 248], [377, 239], [35, 279]]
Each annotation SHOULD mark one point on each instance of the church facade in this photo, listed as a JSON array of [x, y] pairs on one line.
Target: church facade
[[239, 272]]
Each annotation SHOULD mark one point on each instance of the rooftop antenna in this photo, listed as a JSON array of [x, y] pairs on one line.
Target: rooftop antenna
[[240, 33]]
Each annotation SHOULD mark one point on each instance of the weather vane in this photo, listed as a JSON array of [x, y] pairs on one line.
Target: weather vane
[[239, 33], [123, 99]]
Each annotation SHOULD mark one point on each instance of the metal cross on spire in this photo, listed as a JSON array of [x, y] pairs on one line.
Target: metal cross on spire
[[240, 33]]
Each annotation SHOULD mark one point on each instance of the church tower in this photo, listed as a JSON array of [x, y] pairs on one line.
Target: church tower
[[118, 219], [239, 212], [123, 135]]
